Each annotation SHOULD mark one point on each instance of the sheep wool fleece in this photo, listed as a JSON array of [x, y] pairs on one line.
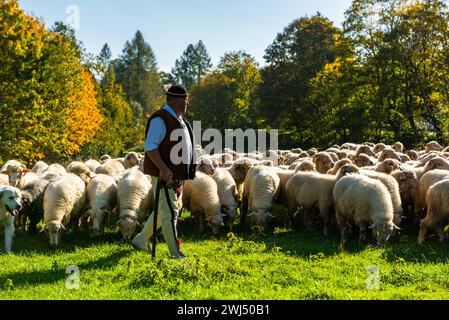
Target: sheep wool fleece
[[166, 219]]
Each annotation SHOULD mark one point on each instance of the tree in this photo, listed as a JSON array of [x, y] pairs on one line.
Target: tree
[[118, 131], [191, 67], [136, 71], [48, 105], [295, 57], [225, 98]]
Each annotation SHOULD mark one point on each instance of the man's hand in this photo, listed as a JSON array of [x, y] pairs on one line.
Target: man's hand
[[165, 174]]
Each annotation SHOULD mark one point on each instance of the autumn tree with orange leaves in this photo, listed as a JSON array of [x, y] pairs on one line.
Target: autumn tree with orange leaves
[[48, 104]]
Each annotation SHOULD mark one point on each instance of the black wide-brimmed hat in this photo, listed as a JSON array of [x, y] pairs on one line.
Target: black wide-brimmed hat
[[177, 90]]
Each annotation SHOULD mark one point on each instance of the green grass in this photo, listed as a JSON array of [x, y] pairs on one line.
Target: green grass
[[285, 265]]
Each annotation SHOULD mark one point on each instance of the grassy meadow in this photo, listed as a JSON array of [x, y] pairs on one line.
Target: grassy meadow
[[284, 265]]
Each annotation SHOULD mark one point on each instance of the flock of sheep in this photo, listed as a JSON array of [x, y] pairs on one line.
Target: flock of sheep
[[368, 186]]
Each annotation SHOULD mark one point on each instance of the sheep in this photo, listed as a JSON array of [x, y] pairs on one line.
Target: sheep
[[323, 162], [33, 202], [105, 158], [296, 150], [435, 163], [39, 167], [408, 188], [64, 201], [393, 188], [262, 186], [307, 165], [404, 157], [132, 159], [437, 212], [379, 148], [284, 176], [92, 164], [426, 181], [364, 202], [362, 160], [227, 194], [348, 146], [134, 201], [412, 154], [338, 165], [238, 171], [206, 165], [342, 154], [53, 173], [311, 190], [291, 158], [102, 199], [10, 204], [81, 170], [18, 174], [200, 196], [111, 168], [388, 165], [388, 153], [312, 152], [365, 150], [398, 147], [432, 146]]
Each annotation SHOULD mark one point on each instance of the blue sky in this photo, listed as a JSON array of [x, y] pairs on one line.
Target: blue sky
[[170, 26]]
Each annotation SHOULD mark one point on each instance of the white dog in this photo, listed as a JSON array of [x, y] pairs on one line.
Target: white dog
[[10, 204]]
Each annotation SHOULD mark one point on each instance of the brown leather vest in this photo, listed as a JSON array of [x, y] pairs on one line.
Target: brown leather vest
[[180, 171]]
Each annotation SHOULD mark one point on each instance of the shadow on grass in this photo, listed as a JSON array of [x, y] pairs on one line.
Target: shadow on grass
[[56, 272], [25, 243]]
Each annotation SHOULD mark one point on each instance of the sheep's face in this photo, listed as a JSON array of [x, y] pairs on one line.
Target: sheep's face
[[128, 227], [323, 162], [230, 212], [215, 222], [132, 159], [390, 165], [433, 146], [97, 217], [347, 169], [383, 232], [260, 218], [15, 174], [363, 161], [54, 232], [206, 166]]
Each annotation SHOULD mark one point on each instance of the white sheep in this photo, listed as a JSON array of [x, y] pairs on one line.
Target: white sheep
[[366, 203], [64, 201], [308, 190], [102, 199], [39, 167], [4, 180], [18, 174], [81, 170], [132, 159], [227, 194], [437, 211], [92, 164], [261, 189], [111, 168], [393, 189], [135, 201], [408, 188], [426, 181], [200, 196]]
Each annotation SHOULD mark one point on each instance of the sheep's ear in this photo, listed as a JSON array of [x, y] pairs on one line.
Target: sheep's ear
[[139, 224], [395, 227], [43, 229], [374, 225], [118, 221], [62, 227]]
